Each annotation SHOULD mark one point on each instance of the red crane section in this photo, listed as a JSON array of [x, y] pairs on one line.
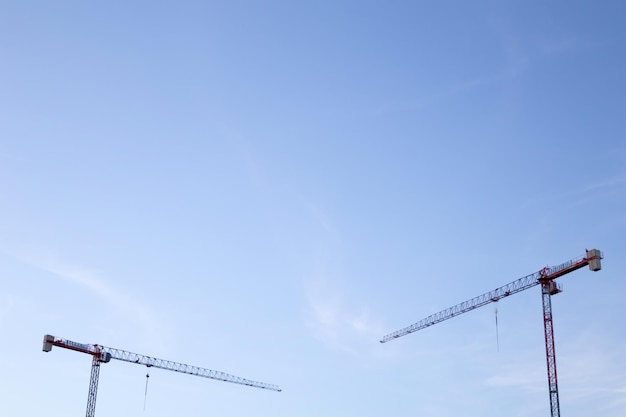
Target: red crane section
[[544, 277]]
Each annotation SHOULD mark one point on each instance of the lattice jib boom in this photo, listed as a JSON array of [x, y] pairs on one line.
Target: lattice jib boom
[[521, 284], [149, 361], [105, 354]]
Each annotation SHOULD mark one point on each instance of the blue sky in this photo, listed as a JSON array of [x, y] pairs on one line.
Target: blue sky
[[268, 188]]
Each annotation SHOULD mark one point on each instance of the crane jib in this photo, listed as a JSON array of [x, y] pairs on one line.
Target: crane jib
[[521, 284], [476, 302]]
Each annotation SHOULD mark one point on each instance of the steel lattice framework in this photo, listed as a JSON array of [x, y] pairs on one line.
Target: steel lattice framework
[[545, 277], [149, 361], [547, 291], [102, 354]]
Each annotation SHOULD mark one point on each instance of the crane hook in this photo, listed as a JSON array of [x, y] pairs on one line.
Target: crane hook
[[497, 336], [145, 395]]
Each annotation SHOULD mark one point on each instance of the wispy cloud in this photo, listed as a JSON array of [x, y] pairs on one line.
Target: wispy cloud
[[522, 377], [452, 90], [6, 305], [595, 369], [606, 183], [558, 45], [12, 157], [94, 282], [338, 324], [576, 196], [591, 373]]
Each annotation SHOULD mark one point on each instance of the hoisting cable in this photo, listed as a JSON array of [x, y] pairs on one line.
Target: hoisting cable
[[497, 337], [145, 395]]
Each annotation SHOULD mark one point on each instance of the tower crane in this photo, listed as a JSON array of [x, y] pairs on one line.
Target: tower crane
[[102, 354], [544, 277]]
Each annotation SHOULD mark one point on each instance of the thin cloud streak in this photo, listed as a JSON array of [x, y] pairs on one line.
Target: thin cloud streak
[[452, 90], [91, 281], [607, 183], [523, 377], [591, 362], [337, 324], [7, 302]]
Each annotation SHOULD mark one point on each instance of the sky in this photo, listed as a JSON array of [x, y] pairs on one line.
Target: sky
[[268, 188]]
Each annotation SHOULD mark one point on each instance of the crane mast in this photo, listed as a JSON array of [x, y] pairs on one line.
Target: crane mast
[[544, 277], [102, 354]]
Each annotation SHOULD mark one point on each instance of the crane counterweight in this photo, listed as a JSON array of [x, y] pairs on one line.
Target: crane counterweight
[[595, 257]]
